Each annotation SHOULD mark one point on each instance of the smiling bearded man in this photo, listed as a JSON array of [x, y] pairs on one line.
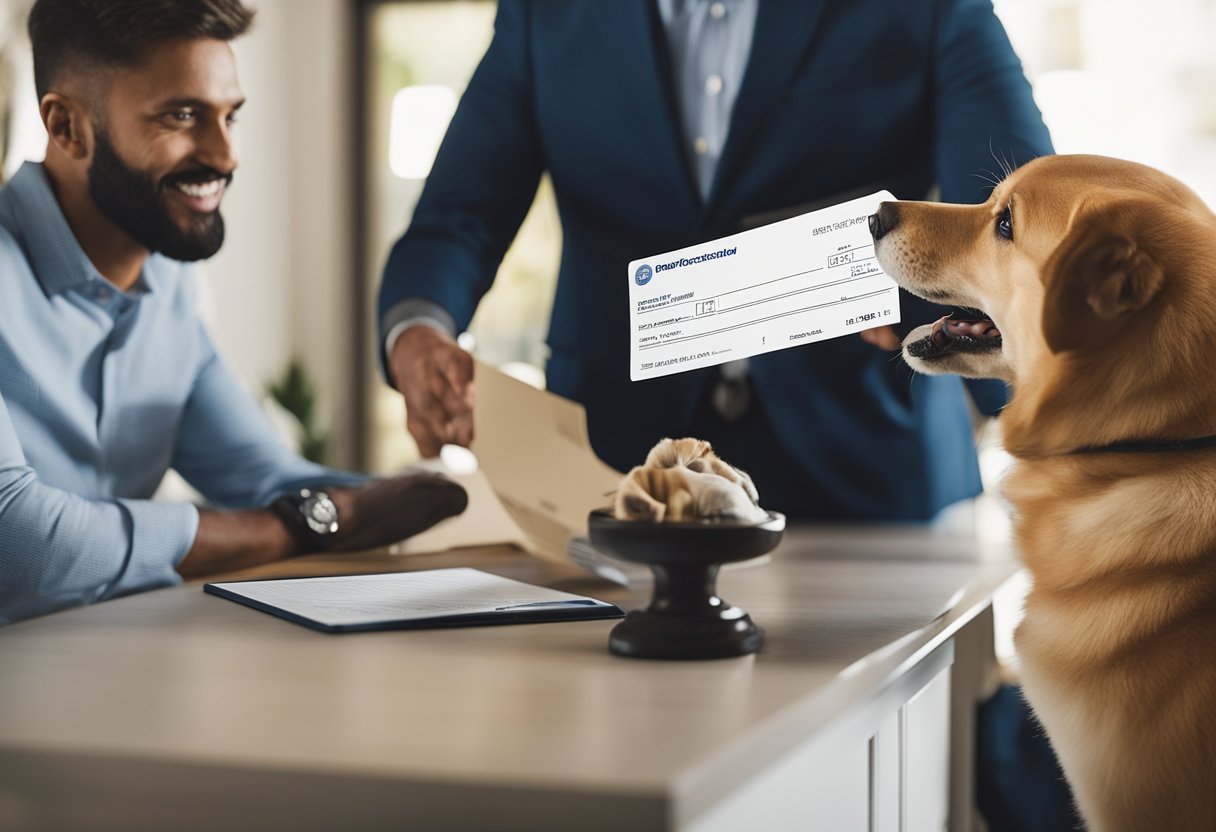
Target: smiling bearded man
[[107, 376]]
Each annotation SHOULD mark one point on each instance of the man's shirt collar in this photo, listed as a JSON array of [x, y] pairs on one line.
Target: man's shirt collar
[[35, 218]]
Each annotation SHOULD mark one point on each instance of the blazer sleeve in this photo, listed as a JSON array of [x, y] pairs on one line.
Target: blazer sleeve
[[480, 188], [985, 117]]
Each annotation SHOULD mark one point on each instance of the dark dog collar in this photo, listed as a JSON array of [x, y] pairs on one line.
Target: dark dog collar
[[1147, 447]]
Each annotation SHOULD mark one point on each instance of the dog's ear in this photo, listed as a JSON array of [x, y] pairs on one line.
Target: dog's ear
[[1103, 271]]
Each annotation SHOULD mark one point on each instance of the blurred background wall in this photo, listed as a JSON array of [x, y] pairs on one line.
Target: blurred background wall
[[347, 99]]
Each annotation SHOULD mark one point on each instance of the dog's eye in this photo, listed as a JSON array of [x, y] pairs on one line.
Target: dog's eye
[[1004, 225]]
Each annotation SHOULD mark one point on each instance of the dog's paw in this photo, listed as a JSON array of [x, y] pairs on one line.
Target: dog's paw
[[684, 480], [674, 453], [642, 495], [698, 455]]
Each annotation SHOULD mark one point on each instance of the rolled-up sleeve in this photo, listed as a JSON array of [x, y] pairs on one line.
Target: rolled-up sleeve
[[59, 550]]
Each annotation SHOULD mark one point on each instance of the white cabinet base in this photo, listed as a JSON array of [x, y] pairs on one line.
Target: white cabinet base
[[884, 766]]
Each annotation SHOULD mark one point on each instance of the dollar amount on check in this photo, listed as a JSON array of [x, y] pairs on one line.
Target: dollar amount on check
[[805, 279]]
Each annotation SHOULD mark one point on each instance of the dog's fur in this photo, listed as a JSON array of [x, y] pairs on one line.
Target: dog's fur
[[1104, 304], [683, 480]]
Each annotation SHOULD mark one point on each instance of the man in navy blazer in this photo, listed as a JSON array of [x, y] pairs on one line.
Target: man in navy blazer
[[838, 99]]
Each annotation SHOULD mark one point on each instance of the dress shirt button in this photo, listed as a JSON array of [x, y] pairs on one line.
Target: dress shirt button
[[713, 84], [717, 10], [700, 146]]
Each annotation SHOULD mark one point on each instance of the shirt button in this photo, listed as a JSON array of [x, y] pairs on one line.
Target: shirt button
[[700, 146], [717, 10], [713, 84]]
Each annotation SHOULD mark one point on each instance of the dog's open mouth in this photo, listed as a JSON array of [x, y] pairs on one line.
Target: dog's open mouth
[[964, 330]]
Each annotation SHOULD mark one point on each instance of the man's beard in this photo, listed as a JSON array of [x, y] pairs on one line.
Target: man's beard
[[130, 199]]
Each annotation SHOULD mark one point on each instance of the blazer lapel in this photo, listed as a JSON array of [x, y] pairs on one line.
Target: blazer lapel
[[634, 31], [782, 36]]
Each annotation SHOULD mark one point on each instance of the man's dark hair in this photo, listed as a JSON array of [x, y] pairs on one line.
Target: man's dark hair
[[71, 34]]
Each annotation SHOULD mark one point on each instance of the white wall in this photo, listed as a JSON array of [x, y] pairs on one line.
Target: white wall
[[27, 138], [283, 283]]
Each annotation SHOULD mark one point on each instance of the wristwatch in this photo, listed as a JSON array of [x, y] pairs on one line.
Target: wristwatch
[[311, 516]]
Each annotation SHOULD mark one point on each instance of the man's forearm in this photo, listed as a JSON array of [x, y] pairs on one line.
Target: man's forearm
[[231, 540]]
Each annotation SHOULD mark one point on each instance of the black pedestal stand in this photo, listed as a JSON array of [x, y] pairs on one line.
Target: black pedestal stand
[[686, 619]]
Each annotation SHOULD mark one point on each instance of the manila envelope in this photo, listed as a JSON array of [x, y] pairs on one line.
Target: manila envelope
[[535, 457]]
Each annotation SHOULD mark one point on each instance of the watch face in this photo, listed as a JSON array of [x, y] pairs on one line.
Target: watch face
[[320, 513]]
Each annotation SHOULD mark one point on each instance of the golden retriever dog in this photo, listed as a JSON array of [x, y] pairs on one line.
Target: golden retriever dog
[[1097, 281], [684, 480]]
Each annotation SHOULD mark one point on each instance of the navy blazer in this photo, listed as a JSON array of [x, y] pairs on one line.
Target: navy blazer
[[838, 96]]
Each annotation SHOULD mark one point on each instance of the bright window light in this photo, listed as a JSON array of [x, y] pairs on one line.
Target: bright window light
[[420, 118], [1109, 114]]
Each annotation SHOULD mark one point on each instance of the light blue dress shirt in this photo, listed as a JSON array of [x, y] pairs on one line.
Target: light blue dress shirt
[[710, 42], [100, 393]]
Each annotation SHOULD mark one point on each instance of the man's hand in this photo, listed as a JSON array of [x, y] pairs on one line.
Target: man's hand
[[387, 511], [435, 376], [372, 515], [883, 337]]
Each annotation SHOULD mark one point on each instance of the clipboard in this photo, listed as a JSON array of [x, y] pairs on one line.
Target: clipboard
[[433, 598]]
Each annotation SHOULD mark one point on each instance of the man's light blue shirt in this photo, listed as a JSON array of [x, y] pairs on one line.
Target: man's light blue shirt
[[710, 42], [100, 393]]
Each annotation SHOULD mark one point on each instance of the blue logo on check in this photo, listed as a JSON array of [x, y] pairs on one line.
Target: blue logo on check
[[643, 274]]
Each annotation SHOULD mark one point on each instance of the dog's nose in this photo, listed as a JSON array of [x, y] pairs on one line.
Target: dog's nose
[[884, 221]]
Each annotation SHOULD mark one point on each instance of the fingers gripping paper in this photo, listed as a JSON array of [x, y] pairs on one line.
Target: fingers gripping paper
[[801, 280]]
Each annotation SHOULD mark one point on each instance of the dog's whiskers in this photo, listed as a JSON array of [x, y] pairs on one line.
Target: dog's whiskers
[[990, 177], [1006, 168], [1003, 163]]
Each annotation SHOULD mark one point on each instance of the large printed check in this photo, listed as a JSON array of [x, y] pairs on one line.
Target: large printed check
[[805, 279]]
